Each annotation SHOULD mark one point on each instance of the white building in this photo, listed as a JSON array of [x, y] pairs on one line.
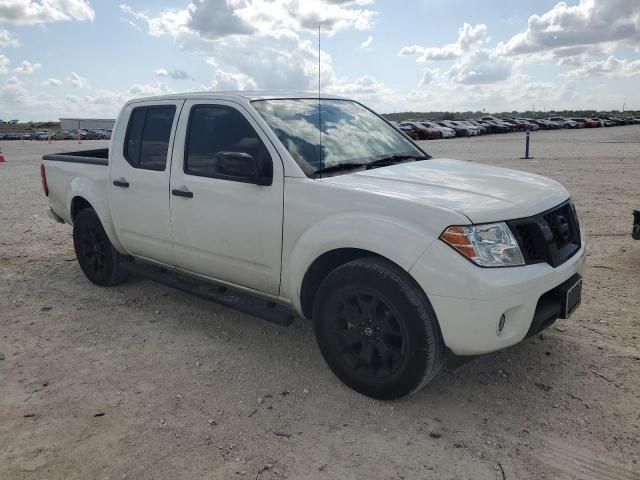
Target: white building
[[86, 123]]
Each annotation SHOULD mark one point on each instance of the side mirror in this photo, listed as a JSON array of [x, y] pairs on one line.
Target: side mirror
[[241, 167]]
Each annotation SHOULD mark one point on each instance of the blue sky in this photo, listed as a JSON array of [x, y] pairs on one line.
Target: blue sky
[[86, 57]]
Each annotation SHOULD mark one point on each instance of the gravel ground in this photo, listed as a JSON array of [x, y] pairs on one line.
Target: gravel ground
[[142, 381]]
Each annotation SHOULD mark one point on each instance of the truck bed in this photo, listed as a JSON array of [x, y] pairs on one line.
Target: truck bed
[[81, 172], [92, 157]]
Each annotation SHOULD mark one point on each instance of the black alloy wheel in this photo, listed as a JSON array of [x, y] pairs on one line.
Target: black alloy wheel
[[377, 330], [100, 262], [92, 251], [367, 334]]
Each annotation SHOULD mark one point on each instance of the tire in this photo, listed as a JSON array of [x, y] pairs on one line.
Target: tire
[[377, 330], [100, 262]]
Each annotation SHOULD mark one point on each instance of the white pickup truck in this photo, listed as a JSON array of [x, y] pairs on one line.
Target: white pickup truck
[[287, 204]]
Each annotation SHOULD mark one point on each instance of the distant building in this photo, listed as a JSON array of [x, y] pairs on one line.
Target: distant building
[[86, 123]]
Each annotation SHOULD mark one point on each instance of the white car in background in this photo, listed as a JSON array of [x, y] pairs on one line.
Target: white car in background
[[566, 122], [446, 131]]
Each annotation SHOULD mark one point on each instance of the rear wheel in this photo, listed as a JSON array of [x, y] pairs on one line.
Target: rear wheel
[[100, 262], [377, 330]]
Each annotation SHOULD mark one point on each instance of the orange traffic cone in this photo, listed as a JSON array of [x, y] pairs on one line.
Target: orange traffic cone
[[2, 160]]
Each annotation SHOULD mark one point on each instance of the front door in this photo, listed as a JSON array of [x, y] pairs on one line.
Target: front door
[[139, 182], [225, 227]]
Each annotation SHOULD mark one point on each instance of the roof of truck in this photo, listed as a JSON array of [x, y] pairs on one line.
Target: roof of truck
[[245, 95]]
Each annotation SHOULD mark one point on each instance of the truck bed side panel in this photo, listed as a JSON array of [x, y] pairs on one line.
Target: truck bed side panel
[[67, 180]]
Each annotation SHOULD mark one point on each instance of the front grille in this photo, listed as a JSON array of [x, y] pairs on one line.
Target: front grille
[[552, 236], [527, 244], [561, 222]]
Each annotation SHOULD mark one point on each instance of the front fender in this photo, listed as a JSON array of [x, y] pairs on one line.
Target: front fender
[[394, 239]]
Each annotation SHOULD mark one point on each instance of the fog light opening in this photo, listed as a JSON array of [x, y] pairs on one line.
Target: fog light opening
[[501, 324]]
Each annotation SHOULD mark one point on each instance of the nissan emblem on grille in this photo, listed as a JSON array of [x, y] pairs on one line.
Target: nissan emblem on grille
[[562, 227]]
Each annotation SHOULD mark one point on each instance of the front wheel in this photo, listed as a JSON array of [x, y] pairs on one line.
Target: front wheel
[[100, 262], [377, 330]]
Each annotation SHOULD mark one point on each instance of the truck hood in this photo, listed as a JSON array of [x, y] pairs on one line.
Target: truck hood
[[482, 193]]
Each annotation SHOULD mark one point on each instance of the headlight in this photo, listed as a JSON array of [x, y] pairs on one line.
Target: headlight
[[489, 245]]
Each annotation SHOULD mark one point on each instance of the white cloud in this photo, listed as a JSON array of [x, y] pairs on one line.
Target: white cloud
[[428, 75], [232, 81], [365, 85], [368, 90], [473, 63], [13, 92], [171, 22], [101, 103], [611, 67], [78, 81], [286, 61], [214, 19], [52, 82], [27, 68], [591, 22], [469, 38], [367, 42], [4, 64], [149, 89], [30, 12], [296, 15], [228, 33], [480, 67], [8, 39], [175, 74]]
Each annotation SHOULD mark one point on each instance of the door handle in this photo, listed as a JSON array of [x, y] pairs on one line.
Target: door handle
[[182, 193], [122, 183]]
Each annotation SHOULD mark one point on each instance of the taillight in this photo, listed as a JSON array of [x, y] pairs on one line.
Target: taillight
[[43, 176]]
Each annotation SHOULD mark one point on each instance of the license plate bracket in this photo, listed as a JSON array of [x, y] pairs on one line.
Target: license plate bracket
[[570, 293]]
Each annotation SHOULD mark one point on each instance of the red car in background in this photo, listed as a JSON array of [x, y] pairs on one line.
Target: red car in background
[[423, 132], [408, 130], [587, 122]]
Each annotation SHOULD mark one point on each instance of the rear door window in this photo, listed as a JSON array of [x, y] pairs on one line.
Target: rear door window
[[148, 133]]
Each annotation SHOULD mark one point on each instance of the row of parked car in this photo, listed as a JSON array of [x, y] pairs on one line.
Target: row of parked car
[[60, 135], [434, 129]]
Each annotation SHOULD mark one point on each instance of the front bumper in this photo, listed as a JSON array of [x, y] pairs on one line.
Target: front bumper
[[469, 300]]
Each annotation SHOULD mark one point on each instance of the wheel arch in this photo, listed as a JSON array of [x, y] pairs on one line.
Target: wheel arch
[[321, 267], [326, 263], [79, 202]]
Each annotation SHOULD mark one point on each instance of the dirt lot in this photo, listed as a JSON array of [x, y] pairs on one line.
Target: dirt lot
[[141, 381]]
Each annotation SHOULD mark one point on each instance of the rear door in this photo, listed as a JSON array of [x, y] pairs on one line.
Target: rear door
[[139, 183], [224, 227]]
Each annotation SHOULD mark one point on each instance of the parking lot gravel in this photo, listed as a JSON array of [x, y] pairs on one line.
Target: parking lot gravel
[[141, 381]]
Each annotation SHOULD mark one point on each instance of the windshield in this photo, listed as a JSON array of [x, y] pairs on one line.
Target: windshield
[[351, 134]]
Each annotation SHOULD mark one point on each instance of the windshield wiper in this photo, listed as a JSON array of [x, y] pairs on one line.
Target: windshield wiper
[[378, 162], [340, 166], [396, 158]]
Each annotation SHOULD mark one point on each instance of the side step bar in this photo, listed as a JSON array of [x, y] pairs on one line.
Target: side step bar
[[227, 296]]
